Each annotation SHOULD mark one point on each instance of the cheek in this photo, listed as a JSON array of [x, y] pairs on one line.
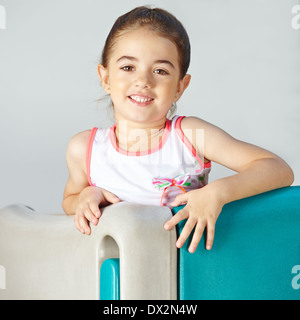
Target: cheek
[[120, 83], [170, 90], [118, 90]]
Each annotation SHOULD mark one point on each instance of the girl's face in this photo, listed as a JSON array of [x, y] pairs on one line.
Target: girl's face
[[143, 77]]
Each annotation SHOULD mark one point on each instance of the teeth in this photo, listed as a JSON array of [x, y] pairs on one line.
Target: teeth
[[140, 99]]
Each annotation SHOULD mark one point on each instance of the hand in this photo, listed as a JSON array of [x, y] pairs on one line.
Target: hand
[[88, 210], [202, 209]]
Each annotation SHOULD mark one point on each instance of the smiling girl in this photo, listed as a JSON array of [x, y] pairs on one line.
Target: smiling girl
[[149, 157]]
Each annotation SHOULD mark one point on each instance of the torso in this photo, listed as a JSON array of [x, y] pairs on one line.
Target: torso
[[141, 176]]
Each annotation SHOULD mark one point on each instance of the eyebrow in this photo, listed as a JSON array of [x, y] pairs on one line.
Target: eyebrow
[[156, 61]]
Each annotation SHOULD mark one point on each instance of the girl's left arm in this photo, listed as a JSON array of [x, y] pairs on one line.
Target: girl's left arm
[[258, 170]]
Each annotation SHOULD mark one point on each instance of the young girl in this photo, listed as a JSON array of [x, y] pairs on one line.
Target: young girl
[[148, 158]]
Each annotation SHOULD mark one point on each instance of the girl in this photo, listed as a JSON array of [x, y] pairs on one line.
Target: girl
[[148, 158]]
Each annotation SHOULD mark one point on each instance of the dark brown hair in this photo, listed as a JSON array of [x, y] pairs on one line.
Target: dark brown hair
[[158, 20]]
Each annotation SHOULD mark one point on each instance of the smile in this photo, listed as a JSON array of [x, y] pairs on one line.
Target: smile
[[141, 99]]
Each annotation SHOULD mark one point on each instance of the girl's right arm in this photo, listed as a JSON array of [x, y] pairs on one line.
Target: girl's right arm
[[76, 153], [80, 198]]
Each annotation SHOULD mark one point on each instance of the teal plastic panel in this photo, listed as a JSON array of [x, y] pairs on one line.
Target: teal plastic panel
[[255, 253], [256, 247], [110, 280]]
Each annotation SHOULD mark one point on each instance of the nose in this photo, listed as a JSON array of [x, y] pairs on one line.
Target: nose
[[143, 80]]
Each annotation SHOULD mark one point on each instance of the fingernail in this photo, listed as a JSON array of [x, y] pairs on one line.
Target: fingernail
[[192, 250], [208, 247], [166, 226], [178, 244]]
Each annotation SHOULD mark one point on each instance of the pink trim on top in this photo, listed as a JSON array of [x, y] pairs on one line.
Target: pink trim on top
[[186, 141], [163, 140], [89, 154]]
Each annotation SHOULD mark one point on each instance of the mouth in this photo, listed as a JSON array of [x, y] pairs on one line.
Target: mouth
[[140, 100]]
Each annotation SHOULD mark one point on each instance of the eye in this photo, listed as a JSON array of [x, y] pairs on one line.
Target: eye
[[127, 68], [161, 72]]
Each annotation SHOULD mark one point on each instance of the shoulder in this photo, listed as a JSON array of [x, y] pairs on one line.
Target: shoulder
[[203, 135], [210, 132], [77, 147], [194, 123], [221, 147]]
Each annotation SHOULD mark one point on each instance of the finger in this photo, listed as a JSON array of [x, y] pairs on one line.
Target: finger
[[210, 235], [82, 222], [76, 222], [110, 197], [180, 199], [84, 225], [94, 207], [186, 231], [180, 215], [197, 236], [90, 216]]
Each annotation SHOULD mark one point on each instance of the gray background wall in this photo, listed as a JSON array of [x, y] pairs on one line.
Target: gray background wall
[[245, 78]]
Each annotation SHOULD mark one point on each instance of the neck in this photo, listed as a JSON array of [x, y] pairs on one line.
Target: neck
[[135, 137]]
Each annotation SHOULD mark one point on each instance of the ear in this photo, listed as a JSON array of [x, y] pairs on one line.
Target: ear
[[103, 75], [182, 85]]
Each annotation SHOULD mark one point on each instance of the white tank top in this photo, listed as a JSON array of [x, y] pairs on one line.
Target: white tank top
[[152, 177]]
